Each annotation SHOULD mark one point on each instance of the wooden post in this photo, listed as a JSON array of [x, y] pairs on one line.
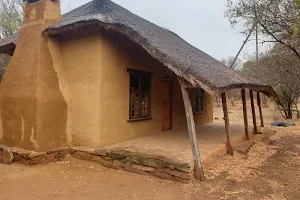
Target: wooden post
[[245, 114], [226, 118], [199, 174], [260, 111], [253, 112]]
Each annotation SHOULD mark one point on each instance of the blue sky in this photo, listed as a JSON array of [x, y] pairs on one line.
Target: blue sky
[[201, 23]]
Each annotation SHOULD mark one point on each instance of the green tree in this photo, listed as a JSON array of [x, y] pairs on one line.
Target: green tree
[[10, 17], [10, 21], [281, 69], [279, 20]]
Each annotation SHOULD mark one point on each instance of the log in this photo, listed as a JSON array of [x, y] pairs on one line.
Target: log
[[226, 118], [253, 112], [199, 174], [245, 114], [260, 111]]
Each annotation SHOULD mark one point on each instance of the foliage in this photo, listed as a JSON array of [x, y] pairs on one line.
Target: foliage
[[10, 22], [276, 19], [10, 17], [279, 68]]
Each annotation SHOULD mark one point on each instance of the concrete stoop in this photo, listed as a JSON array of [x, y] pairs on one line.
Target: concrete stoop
[[118, 159]]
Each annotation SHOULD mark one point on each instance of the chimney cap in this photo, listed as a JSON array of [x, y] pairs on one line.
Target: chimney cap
[[33, 1]]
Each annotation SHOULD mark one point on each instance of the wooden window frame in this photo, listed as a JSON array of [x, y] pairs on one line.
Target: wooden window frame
[[140, 75], [197, 99]]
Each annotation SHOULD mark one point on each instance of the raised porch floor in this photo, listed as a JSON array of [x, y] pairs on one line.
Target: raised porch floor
[[175, 144], [170, 153], [166, 155]]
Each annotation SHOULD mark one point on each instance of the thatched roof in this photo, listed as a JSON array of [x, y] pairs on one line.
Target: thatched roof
[[186, 61]]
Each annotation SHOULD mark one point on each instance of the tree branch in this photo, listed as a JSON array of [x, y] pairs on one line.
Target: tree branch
[[280, 41]]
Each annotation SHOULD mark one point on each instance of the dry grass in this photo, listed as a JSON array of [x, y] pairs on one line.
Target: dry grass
[[240, 167]]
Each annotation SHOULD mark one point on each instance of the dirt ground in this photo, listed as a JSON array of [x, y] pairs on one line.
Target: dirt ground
[[271, 170]]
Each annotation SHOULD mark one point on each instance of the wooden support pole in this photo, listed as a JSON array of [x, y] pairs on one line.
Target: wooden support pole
[[260, 111], [253, 112], [199, 174], [226, 118], [245, 114]]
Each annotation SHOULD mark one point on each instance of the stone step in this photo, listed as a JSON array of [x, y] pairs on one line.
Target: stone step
[[244, 147]]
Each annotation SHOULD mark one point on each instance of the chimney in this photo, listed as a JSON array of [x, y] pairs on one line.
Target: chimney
[[45, 11], [33, 108]]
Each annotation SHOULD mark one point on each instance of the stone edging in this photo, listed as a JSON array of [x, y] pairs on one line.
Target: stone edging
[[134, 162], [118, 159]]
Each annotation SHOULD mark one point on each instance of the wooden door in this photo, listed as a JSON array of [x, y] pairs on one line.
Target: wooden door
[[166, 106]]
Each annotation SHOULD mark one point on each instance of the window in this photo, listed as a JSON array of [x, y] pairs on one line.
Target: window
[[198, 100], [140, 95]]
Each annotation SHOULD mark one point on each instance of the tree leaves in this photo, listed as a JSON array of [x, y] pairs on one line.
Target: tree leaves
[[279, 68], [277, 19], [10, 21], [10, 17]]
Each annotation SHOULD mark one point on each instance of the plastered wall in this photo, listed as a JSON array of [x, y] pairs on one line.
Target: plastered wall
[[34, 111], [118, 54], [99, 89], [82, 55], [179, 118], [74, 90]]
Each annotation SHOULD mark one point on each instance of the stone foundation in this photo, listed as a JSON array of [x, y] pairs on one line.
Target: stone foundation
[[138, 163], [31, 157], [124, 160]]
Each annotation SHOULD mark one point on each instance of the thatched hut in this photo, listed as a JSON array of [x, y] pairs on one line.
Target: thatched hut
[[100, 75]]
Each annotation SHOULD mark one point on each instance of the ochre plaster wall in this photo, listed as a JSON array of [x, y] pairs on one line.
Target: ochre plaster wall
[[33, 109], [75, 90], [82, 55], [179, 118], [119, 54], [99, 90]]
